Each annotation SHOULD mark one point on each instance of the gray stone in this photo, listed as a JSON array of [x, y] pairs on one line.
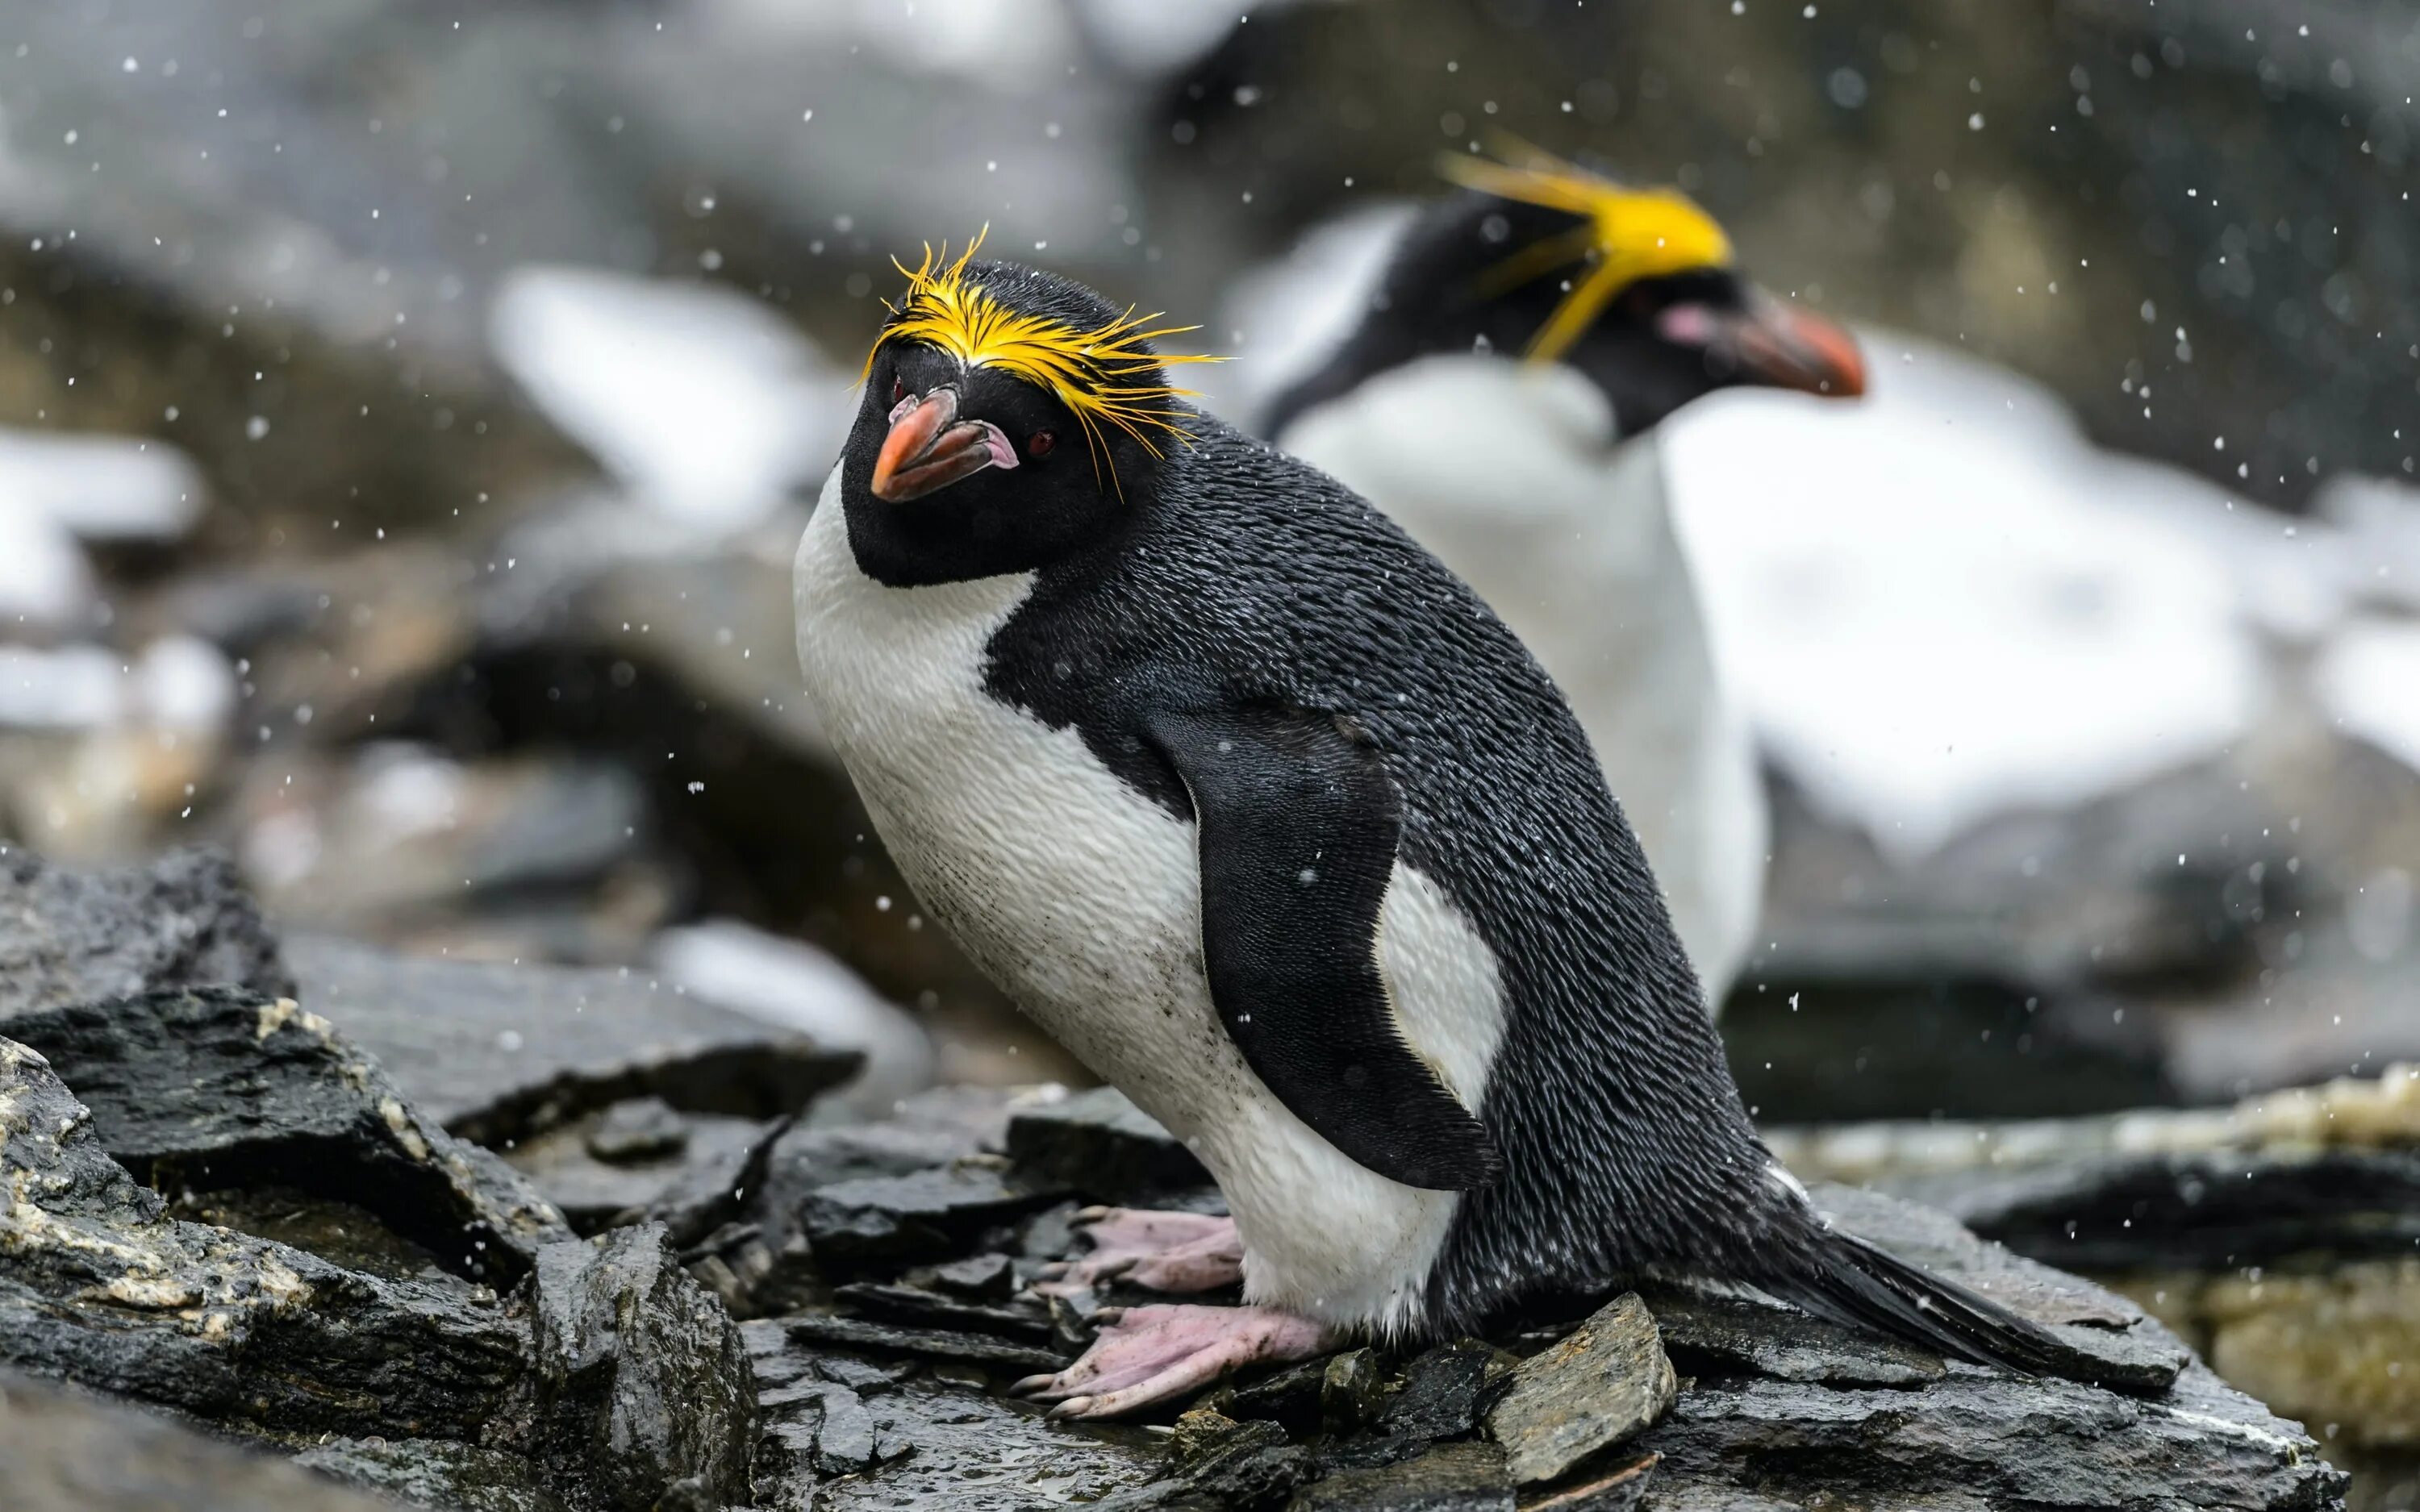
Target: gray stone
[[926, 1343], [69, 936], [62, 1450], [1441, 1392], [1452, 1477], [99, 1284], [991, 1277], [642, 1379], [1028, 1320], [437, 1473], [1097, 1142], [939, 1446], [923, 1216], [503, 1053], [643, 1129], [594, 1193], [1602, 1386], [224, 1088]]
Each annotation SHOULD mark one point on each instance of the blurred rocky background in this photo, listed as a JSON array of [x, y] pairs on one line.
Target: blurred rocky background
[[408, 412]]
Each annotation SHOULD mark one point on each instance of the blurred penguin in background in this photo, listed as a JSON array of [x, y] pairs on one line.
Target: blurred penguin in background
[[1500, 399]]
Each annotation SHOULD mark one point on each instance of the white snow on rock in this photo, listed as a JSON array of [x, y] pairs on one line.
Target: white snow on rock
[[44, 581], [101, 487], [2368, 680], [2378, 520], [794, 986], [702, 402], [177, 684], [1942, 602]]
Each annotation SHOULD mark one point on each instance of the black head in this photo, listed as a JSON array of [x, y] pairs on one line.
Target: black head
[[1012, 419], [1634, 288]]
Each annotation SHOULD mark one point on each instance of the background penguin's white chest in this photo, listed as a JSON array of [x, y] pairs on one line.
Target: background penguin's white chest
[[1081, 898]]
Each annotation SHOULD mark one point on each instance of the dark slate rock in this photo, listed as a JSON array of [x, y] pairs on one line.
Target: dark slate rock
[[1247, 1466], [990, 1278], [939, 1446], [641, 1129], [1099, 1143], [1994, 1441], [503, 1053], [1352, 1389], [699, 1173], [99, 1284], [2213, 1210], [64, 1450], [184, 920], [1600, 1387], [433, 1473], [1028, 1320], [926, 1343], [926, 1215], [1452, 1477], [1718, 1335], [1441, 1393], [215, 1088], [1290, 1398], [643, 1378]]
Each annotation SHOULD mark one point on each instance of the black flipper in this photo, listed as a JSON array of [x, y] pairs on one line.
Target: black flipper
[[1846, 1280], [1298, 825]]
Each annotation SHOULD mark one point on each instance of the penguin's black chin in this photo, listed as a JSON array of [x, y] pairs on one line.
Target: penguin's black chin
[[929, 448]]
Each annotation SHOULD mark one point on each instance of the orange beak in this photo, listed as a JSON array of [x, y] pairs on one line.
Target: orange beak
[[1774, 344], [929, 448]]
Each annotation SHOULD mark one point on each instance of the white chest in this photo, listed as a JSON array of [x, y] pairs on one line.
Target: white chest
[[1081, 898]]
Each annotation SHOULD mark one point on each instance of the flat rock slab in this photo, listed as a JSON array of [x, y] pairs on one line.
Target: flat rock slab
[[222, 1087], [1097, 1142], [1452, 1477], [69, 936], [434, 1473], [503, 1053], [1602, 1385], [63, 1450]]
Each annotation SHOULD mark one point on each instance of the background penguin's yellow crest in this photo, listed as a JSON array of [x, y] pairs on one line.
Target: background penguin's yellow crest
[[1107, 377], [1624, 234]]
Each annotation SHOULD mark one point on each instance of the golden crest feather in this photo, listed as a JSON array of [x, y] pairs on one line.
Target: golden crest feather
[[1625, 235], [1107, 378]]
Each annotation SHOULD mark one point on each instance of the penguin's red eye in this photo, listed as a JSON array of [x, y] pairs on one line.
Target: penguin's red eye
[[1040, 442], [899, 390]]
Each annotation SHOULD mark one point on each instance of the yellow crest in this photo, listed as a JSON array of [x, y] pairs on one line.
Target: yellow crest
[[1105, 378], [1624, 234]]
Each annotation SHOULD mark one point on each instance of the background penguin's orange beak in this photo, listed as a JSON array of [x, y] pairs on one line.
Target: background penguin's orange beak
[[929, 448], [1774, 344]]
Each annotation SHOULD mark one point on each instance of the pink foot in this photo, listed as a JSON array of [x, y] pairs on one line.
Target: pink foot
[[1151, 1354], [1157, 1251]]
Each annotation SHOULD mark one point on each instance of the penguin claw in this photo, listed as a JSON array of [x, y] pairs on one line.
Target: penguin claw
[[1110, 1317], [1093, 1214], [1030, 1384], [1154, 1353]]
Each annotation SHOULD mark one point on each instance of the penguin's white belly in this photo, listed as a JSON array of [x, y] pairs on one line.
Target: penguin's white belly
[[1081, 898]]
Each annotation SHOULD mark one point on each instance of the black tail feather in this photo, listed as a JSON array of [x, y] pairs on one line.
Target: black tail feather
[[1843, 1279]]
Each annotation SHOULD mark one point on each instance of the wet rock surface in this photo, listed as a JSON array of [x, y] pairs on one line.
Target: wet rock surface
[[215, 1086], [69, 936], [500, 1053], [301, 1279]]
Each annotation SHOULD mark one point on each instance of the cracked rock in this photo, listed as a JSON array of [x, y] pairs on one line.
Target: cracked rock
[[1599, 1387], [214, 1087], [185, 921]]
